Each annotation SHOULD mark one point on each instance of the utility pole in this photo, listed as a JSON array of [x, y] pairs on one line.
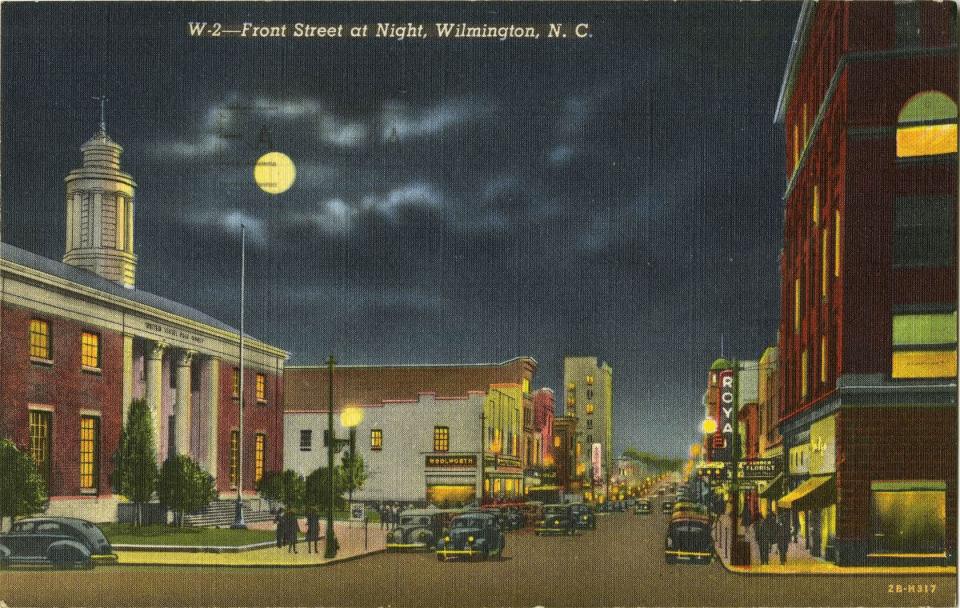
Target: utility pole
[[331, 544], [483, 450]]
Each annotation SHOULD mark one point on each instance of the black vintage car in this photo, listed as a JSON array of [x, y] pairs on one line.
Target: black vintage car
[[557, 519], [584, 516], [419, 529], [643, 507], [60, 541], [667, 506], [475, 534], [514, 518], [689, 539]]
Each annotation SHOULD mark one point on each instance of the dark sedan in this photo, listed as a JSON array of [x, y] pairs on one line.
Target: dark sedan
[[60, 541], [475, 534], [584, 516], [557, 519]]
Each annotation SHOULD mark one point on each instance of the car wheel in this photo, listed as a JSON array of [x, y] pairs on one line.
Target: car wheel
[[439, 557]]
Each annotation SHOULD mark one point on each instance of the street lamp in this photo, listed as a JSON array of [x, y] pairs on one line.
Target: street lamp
[[331, 544], [350, 418], [708, 426]]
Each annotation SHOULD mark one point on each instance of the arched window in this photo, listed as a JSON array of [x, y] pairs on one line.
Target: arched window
[[927, 125]]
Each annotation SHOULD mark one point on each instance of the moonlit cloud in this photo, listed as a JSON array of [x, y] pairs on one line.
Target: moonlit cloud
[[561, 155], [208, 144], [230, 221], [406, 122]]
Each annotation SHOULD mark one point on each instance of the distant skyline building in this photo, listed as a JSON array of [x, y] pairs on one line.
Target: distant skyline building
[[588, 390]]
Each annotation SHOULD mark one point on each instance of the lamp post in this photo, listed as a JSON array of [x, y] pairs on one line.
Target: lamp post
[[350, 418], [331, 539], [238, 522]]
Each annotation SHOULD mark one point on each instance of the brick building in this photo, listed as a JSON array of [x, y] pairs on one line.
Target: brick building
[[79, 342], [867, 340]]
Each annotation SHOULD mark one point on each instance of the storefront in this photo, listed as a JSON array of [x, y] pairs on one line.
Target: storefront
[[908, 518], [451, 480], [502, 478], [814, 501]]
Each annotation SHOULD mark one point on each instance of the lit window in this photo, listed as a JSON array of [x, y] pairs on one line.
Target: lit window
[[40, 339], [589, 408], [90, 350], [824, 261], [823, 359], [40, 441], [806, 129], [815, 210], [927, 125], [572, 386], [556, 441], [803, 374], [571, 401], [376, 439], [836, 243], [526, 385], [925, 345], [234, 458], [89, 452], [258, 453], [306, 440], [590, 380], [261, 387], [236, 382], [441, 439]]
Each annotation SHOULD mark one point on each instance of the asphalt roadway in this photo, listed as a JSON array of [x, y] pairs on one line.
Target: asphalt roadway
[[619, 564]]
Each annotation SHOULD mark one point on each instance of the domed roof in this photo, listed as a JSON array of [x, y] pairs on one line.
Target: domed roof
[[721, 363]]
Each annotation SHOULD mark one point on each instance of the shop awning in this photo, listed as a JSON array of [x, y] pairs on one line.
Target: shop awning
[[772, 488], [814, 493]]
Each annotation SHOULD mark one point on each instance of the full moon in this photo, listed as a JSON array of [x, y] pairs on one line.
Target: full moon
[[274, 172]]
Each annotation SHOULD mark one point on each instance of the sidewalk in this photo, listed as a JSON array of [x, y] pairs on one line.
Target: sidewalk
[[800, 562], [351, 539]]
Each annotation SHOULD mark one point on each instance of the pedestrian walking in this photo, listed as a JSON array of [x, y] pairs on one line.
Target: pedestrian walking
[[763, 533], [279, 522], [292, 529], [313, 531], [784, 533]]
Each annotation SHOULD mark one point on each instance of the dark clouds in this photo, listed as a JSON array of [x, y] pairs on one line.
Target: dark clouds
[[455, 200]]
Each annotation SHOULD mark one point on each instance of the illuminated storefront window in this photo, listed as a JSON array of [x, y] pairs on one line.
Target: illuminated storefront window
[[924, 345], [908, 517]]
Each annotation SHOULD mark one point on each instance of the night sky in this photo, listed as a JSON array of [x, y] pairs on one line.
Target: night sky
[[456, 200]]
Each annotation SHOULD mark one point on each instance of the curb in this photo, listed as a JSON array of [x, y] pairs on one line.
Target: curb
[[906, 570], [195, 548], [332, 562]]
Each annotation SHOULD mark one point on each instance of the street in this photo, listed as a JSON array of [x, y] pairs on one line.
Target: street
[[619, 564]]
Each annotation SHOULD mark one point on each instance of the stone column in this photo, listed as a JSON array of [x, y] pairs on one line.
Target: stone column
[[127, 391], [182, 407], [211, 399], [154, 390]]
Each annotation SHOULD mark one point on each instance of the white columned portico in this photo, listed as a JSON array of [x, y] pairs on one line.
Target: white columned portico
[[182, 408], [211, 399], [154, 390]]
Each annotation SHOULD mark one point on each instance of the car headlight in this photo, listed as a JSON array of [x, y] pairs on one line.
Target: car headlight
[[469, 539], [556, 522], [584, 518], [446, 539]]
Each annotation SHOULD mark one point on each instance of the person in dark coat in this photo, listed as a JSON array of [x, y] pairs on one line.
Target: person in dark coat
[[279, 521], [313, 531], [292, 531], [784, 533], [763, 532]]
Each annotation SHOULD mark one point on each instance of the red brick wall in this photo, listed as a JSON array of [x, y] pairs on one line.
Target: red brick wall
[[266, 418], [66, 388], [891, 443]]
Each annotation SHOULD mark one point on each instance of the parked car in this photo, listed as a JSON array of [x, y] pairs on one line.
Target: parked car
[[667, 506], [474, 534], [515, 519], [419, 529], [583, 516], [60, 541], [643, 507], [689, 539], [557, 519]]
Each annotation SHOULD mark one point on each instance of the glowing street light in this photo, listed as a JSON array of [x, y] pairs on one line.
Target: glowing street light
[[708, 426]]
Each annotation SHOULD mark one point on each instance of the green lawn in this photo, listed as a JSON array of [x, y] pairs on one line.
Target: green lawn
[[125, 534]]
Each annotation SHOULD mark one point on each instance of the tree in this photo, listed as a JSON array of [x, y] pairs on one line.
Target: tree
[[354, 472], [318, 489], [184, 486], [135, 475], [285, 487], [22, 489]]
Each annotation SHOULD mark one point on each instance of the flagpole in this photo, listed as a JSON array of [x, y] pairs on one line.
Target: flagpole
[[238, 522]]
